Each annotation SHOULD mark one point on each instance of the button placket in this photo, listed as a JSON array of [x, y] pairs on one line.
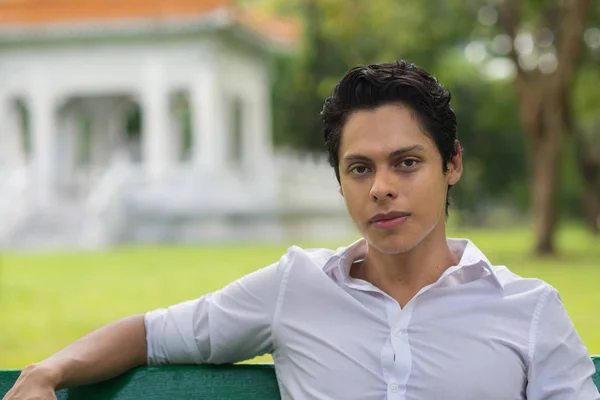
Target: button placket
[[388, 356], [399, 339]]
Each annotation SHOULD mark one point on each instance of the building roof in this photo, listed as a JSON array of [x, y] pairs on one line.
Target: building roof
[[35, 14], [44, 11], [283, 30]]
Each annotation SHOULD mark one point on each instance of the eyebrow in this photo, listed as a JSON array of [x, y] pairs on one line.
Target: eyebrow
[[393, 154]]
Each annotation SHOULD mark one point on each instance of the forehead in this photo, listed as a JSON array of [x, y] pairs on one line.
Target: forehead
[[382, 130]]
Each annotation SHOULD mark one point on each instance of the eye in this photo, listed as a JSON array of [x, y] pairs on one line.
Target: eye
[[408, 163], [359, 170]]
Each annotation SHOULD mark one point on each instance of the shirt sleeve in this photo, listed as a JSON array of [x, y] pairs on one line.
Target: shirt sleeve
[[226, 326], [560, 366]]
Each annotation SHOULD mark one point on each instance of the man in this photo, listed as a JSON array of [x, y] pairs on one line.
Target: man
[[404, 313]]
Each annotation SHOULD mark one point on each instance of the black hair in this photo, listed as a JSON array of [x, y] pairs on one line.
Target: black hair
[[368, 87]]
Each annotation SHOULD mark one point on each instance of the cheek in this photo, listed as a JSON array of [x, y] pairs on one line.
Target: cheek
[[349, 193], [353, 197], [427, 188]]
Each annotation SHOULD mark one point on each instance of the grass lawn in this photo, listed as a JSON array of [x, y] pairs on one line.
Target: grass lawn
[[49, 300]]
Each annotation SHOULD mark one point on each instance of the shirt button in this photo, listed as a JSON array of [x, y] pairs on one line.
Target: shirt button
[[394, 388], [398, 332]]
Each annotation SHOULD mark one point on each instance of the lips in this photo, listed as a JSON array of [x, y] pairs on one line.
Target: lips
[[388, 216]]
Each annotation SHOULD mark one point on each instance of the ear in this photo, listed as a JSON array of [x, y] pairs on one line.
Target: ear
[[341, 190], [455, 166]]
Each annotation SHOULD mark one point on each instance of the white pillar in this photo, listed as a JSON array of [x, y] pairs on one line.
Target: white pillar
[[12, 153], [42, 106], [66, 139], [156, 147], [258, 143], [208, 120]]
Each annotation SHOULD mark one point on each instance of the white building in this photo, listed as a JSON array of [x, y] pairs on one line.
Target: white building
[[143, 121]]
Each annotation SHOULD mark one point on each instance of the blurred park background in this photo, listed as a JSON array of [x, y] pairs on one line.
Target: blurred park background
[[153, 151]]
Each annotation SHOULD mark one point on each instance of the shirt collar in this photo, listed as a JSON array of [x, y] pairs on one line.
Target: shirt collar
[[470, 256]]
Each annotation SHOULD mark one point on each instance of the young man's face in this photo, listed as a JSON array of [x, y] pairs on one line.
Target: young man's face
[[392, 179]]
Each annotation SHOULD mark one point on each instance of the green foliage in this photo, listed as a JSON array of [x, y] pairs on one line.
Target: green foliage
[[586, 103], [490, 134], [569, 198]]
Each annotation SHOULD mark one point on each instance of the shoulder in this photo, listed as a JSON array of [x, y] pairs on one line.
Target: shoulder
[[516, 285], [297, 256], [532, 295], [274, 277], [316, 263]]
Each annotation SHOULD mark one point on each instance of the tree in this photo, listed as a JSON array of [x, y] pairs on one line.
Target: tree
[[544, 93], [298, 90]]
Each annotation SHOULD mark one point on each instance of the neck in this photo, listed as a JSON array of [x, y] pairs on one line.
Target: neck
[[403, 275]]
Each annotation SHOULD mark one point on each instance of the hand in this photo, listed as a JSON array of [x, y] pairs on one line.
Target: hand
[[33, 384], [24, 392]]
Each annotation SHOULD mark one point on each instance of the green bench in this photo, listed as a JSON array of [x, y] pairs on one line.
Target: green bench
[[228, 382]]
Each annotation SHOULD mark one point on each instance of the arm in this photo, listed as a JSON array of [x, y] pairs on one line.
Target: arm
[[227, 326], [560, 365], [103, 354]]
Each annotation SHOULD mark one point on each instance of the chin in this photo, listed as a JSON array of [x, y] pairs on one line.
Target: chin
[[393, 244], [398, 241]]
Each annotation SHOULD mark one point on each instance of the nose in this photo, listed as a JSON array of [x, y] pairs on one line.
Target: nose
[[384, 186]]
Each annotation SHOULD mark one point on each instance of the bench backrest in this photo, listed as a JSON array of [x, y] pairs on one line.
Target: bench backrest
[[232, 382], [235, 382]]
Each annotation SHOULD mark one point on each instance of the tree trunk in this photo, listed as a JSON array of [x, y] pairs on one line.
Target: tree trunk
[[546, 155], [544, 119]]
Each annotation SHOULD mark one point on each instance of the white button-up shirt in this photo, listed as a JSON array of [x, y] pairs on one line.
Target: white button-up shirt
[[478, 332]]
